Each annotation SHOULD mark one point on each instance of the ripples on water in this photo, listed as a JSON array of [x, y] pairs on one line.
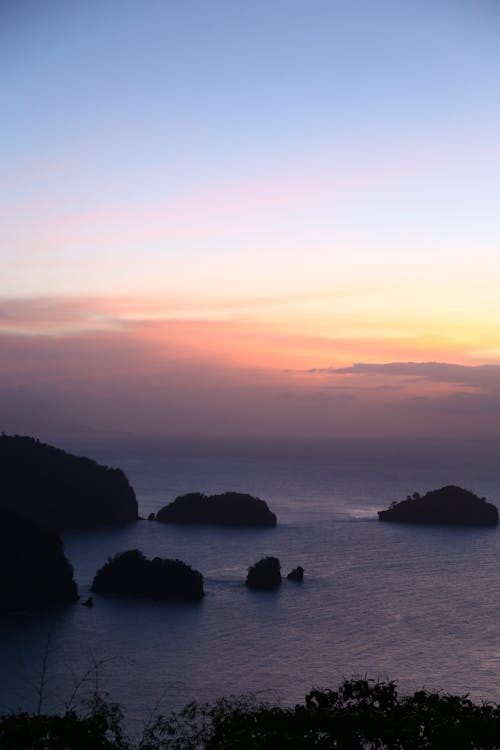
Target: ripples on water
[[416, 604]]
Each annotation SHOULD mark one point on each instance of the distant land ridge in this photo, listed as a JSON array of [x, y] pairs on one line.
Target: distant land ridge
[[60, 490], [447, 505], [226, 509]]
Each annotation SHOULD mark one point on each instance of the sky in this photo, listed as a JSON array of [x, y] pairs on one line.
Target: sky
[[268, 218]]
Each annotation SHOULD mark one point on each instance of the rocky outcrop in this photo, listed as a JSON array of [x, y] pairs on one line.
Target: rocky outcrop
[[226, 509], [265, 574], [61, 490], [34, 572], [448, 505], [130, 573], [297, 574]]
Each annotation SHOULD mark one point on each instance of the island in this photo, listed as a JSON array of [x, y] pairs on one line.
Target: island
[[447, 505], [130, 573], [34, 571], [296, 575], [226, 509], [265, 574], [60, 490]]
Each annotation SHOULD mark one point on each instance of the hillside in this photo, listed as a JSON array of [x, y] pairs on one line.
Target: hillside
[[61, 490]]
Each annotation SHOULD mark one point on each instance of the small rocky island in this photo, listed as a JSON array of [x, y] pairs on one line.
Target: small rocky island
[[296, 575], [226, 509], [34, 572], [130, 573], [265, 574], [448, 505], [60, 490]]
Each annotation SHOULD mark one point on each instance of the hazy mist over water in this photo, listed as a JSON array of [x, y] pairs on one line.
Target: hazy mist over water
[[416, 604]]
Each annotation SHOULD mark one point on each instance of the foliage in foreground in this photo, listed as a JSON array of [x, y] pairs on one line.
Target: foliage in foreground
[[361, 714]]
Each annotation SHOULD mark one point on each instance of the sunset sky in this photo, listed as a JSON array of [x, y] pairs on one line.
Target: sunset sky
[[241, 218]]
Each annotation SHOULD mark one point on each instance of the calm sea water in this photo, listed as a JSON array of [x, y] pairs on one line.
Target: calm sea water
[[419, 605]]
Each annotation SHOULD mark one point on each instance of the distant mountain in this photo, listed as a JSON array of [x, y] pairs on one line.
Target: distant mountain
[[34, 572], [60, 490], [226, 509], [448, 505]]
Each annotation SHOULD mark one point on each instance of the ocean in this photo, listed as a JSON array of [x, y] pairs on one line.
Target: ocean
[[416, 604]]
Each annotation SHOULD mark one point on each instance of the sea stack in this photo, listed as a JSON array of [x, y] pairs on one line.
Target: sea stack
[[265, 574]]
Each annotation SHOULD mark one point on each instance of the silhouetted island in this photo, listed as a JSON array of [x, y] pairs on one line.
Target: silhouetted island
[[226, 509], [297, 574], [265, 574], [34, 572], [130, 573], [61, 490], [448, 505]]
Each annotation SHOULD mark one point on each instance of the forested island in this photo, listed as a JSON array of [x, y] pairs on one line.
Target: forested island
[[130, 573], [447, 505], [226, 509], [60, 490]]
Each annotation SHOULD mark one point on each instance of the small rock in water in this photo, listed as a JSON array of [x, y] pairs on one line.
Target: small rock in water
[[297, 574]]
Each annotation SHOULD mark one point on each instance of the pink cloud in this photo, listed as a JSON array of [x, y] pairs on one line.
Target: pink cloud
[[118, 364], [177, 378]]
